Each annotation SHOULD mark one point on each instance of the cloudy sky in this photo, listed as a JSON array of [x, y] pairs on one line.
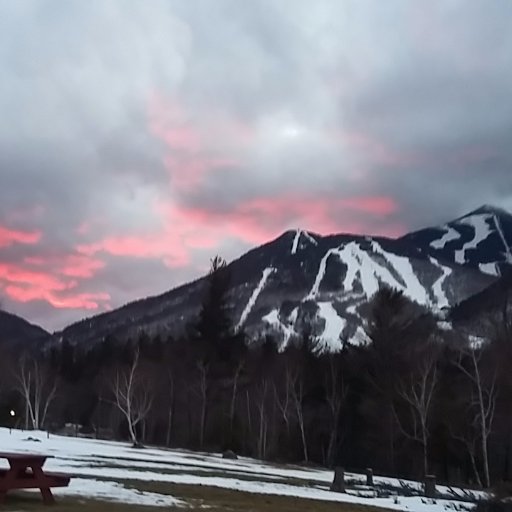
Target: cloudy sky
[[139, 138]]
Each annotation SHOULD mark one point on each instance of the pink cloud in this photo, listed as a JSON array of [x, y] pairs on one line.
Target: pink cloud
[[89, 301], [254, 222], [53, 279], [10, 237]]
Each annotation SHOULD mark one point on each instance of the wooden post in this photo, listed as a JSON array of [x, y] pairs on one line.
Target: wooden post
[[430, 486], [338, 484], [369, 477]]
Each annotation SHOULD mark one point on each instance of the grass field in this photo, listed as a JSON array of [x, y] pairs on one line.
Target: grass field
[[196, 497], [113, 476]]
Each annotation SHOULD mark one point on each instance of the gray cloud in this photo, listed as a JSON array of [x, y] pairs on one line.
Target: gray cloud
[[127, 126]]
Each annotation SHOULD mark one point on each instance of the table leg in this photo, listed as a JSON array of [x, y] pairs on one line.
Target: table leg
[[46, 492], [8, 478], [47, 495]]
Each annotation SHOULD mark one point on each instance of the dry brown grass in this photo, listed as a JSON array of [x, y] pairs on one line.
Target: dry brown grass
[[216, 499]]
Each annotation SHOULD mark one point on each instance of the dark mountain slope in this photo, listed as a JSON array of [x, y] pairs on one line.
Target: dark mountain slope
[[16, 332], [481, 239]]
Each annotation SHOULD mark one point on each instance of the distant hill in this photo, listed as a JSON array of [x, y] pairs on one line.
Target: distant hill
[[303, 280], [16, 332]]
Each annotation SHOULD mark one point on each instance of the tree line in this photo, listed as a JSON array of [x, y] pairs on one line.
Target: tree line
[[414, 400]]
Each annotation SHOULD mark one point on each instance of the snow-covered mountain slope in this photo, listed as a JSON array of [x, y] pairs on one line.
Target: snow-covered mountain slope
[[324, 287], [303, 282], [481, 239]]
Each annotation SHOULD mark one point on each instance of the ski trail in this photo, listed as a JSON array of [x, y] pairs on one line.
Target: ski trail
[[449, 235], [437, 288], [321, 272], [254, 296], [403, 266], [482, 231], [310, 238], [330, 340], [296, 241]]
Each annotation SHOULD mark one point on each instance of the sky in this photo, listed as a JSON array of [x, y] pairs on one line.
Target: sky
[[139, 138]]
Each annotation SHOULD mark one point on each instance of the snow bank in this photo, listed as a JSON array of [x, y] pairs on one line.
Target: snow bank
[[100, 467]]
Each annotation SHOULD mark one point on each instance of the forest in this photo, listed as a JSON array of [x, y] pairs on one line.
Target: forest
[[413, 401]]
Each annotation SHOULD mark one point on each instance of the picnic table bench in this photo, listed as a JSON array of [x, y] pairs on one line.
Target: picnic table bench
[[26, 472]]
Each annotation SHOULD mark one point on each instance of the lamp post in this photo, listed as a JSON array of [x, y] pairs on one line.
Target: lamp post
[[12, 414]]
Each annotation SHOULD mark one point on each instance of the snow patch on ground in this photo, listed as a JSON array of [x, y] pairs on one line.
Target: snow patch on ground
[[445, 326], [489, 268], [359, 337], [449, 235], [254, 297], [117, 493], [287, 329]]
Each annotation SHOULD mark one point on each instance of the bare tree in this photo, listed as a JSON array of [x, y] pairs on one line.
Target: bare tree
[[133, 396], [295, 384], [482, 400], [234, 393], [263, 421], [170, 412], [336, 395], [37, 387], [283, 404], [203, 368], [470, 441], [417, 393]]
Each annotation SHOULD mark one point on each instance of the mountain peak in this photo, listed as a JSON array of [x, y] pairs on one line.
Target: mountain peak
[[488, 209]]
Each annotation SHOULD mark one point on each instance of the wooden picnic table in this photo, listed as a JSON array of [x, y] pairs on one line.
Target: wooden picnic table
[[26, 472]]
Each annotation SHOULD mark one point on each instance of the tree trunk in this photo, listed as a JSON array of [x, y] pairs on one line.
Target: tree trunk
[[202, 424]]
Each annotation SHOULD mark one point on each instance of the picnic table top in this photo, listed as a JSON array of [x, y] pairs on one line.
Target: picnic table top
[[23, 455]]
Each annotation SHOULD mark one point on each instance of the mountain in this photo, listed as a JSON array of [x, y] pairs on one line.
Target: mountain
[[481, 239], [17, 332], [303, 281], [481, 314]]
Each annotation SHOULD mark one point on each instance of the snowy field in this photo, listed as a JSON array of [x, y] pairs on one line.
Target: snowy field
[[110, 471]]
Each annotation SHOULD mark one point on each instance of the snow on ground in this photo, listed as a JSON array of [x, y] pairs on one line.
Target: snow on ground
[[321, 272], [298, 234], [296, 241], [482, 231], [489, 268], [413, 287], [334, 325], [287, 329], [449, 235], [100, 467], [362, 265], [255, 295], [116, 492]]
